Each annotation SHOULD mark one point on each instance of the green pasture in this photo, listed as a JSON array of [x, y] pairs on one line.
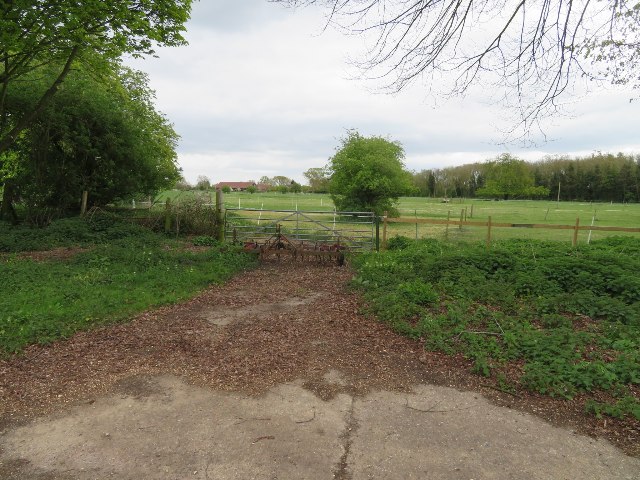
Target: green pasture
[[266, 201], [515, 211], [509, 211]]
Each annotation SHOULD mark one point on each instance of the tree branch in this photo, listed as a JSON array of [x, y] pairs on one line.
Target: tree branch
[[7, 140]]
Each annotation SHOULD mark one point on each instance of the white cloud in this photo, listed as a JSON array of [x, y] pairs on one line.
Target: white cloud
[[259, 91]]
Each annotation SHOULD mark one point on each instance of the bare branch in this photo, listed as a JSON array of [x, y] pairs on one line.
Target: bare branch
[[533, 52]]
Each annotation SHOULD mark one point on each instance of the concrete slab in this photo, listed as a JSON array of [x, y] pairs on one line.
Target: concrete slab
[[182, 432], [441, 433], [163, 428]]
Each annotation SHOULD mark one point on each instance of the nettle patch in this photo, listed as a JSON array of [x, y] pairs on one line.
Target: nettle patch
[[540, 316]]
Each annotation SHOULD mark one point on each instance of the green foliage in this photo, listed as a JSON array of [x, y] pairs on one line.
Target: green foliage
[[70, 232], [205, 241], [203, 183], [295, 187], [132, 269], [61, 33], [399, 242], [509, 177], [368, 174], [318, 179], [598, 177], [193, 217], [99, 134], [569, 317], [627, 405]]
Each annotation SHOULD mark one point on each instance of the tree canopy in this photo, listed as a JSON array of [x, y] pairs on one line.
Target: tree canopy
[[532, 52], [368, 174], [100, 134], [509, 177], [58, 33], [598, 177], [318, 178]]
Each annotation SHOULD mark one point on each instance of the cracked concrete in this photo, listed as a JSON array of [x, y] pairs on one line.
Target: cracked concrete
[[163, 428], [342, 470]]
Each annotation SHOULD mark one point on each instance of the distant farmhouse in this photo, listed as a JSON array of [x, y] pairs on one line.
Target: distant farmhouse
[[242, 186]]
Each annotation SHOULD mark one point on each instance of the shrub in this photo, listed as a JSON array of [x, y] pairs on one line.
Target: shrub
[[569, 316], [399, 242]]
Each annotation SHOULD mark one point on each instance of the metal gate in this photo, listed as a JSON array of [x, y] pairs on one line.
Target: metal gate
[[354, 230]]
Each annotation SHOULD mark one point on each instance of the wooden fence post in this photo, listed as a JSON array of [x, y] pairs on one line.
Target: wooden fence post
[[471, 216], [446, 228], [575, 232], [219, 216], [461, 219], [167, 216], [83, 204], [384, 231], [489, 232]]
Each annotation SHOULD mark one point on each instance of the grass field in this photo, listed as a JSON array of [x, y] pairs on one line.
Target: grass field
[[511, 211], [517, 211]]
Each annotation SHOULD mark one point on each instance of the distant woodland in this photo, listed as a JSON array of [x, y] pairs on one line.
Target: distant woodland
[[599, 177]]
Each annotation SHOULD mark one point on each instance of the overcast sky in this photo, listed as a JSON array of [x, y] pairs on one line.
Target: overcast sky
[[262, 90]]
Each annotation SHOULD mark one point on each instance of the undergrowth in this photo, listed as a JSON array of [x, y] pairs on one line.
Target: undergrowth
[[536, 315], [123, 270]]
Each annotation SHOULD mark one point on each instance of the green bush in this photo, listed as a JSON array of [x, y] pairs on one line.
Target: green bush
[[399, 242], [569, 316], [69, 232], [627, 405], [205, 241]]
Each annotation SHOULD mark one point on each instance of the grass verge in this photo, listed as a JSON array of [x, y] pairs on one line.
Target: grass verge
[[125, 270]]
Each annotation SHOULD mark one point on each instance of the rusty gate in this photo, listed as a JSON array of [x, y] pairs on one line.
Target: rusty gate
[[355, 231]]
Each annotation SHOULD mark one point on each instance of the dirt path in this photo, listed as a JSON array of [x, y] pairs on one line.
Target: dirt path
[[277, 375]]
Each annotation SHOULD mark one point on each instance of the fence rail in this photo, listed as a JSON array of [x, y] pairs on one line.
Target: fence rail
[[489, 225]]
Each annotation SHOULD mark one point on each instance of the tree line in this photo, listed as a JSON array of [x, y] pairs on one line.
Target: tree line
[[277, 183], [599, 177]]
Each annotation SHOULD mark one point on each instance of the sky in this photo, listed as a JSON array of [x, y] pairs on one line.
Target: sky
[[265, 90]]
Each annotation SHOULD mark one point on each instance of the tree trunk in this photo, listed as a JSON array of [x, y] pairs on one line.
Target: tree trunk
[[7, 212]]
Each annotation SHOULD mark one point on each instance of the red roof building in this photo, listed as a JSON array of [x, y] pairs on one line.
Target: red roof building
[[235, 186]]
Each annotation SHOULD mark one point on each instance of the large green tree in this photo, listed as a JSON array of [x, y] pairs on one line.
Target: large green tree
[[101, 134], [368, 174], [59, 33], [318, 179], [509, 177]]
